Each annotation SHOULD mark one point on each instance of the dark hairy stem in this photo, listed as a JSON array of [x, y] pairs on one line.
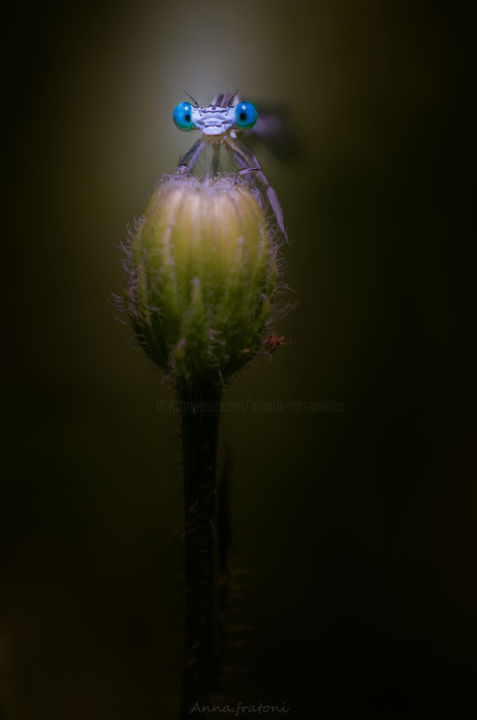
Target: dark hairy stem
[[224, 535], [200, 422]]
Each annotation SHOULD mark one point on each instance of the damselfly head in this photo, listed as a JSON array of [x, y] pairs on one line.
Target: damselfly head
[[214, 119]]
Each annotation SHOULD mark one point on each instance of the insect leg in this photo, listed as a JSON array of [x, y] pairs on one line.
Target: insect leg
[[188, 162], [251, 164], [245, 170]]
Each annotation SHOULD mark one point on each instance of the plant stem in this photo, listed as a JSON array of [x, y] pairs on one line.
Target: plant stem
[[224, 541], [200, 421]]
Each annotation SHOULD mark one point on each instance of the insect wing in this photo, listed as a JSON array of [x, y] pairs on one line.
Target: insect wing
[[274, 131]]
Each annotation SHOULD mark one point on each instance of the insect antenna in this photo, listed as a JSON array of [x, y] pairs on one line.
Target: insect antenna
[[191, 98]]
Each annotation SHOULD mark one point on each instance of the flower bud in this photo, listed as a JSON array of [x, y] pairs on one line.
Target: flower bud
[[203, 273]]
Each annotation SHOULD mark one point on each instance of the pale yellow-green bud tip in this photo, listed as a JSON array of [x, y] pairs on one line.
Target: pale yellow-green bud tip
[[202, 266]]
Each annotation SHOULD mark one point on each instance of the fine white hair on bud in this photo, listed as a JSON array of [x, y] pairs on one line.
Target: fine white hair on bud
[[202, 267]]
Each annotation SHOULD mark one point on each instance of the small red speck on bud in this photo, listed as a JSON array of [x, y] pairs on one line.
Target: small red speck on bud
[[273, 342]]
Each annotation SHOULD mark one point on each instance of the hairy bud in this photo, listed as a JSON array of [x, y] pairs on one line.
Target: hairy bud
[[203, 274]]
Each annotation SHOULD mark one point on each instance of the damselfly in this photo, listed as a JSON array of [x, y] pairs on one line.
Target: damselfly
[[221, 123]]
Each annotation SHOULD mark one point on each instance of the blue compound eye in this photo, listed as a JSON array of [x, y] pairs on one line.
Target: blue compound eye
[[182, 116], [246, 115]]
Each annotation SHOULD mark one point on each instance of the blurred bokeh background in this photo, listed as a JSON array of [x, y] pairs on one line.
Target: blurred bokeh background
[[355, 531]]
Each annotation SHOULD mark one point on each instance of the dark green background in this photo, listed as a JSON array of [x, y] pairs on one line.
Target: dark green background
[[354, 532]]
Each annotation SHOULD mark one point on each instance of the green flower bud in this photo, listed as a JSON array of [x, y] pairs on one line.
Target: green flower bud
[[202, 264]]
